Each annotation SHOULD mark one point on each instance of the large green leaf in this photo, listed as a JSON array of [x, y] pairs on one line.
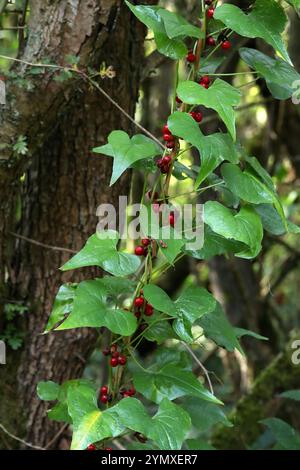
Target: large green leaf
[[205, 415], [126, 151], [272, 221], [220, 96], [90, 309], [216, 327], [170, 382], [168, 427], [149, 15], [280, 76], [89, 423], [62, 306], [285, 435], [176, 26], [101, 250], [267, 21], [213, 148], [245, 226]]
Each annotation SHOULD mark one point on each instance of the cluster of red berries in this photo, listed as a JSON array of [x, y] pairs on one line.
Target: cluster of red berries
[[168, 137], [164, 164], [93, 447], [130, 392], [205, 81], [117, 359], [142, 250], [197, 116], [104, 396], [141, 305]]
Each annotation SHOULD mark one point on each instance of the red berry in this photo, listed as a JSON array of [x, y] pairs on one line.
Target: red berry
[[108, 448], [106, 352], [210, 41], [122, 360], [139, 251], [138, 302], [114, 361], [178, 100], [172, 219], [165, 129], [104, 390], [226, 45], [197, 116], [171, 145], [168, 137], [205, 80], [145, 241], [104, 399], [131, 391], [210, 12], [149, 310], [116, 354], [191, 57], [204, 85], [91, 447], [166, 160]]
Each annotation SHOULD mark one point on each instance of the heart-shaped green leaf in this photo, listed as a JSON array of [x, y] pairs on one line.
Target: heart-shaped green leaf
[[244, 227], [90, 309], [267, 21], [220, 96], [63, 305], [177, 26], [100, 250], [126, 151]]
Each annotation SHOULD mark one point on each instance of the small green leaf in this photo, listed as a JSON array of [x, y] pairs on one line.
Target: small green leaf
[[90, 309], [291, 394], [126, 151], [48, 391], [221, 97], [62, 306], [100, 250], [240, 332], [177, 26], [267, 21]]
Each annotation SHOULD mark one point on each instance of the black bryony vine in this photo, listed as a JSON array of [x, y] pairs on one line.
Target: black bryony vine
[[127, 300]]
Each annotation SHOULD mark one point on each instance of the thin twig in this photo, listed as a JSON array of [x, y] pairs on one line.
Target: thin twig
[[43, 245], [57, 435], [200, 365], [27, 444]]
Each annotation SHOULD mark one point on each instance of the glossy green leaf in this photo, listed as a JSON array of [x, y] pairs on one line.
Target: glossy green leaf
[[159, 331], [220, 96], [205, 415], [159, 299], [280, 76], [216, 327], [62, 306], [170, 382], [168, 427], [101, 250], [240, 332], [126, 151], [177, 26], [90, 309], [272, 222], [213, 148], [48, 391], [267, 21], [173, 48], [172, 243], [245, 226]]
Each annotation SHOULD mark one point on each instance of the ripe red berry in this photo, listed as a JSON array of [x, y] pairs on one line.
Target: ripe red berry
[[108, 448], [226, 45], [122, 360], [104, 390], [131, 391], [178, 100], [138, 302], [145, 241], [149, 310], [197, 116], [104, 399], [191, 57], [205, 80], [106, 352], [210, 12], [116, 354], [165, 129], [91, 447], [168, 137], [139, 251], [171, 145], [172, 219], [114, 361], [210, 41]]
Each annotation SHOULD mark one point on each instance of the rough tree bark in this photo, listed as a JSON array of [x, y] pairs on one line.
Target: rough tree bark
[[64, 183]]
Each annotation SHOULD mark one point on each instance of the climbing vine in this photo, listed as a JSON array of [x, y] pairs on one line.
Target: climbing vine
[[127, 301]]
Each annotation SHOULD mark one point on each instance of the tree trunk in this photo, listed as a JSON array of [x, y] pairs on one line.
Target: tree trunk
[[63, 185]]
